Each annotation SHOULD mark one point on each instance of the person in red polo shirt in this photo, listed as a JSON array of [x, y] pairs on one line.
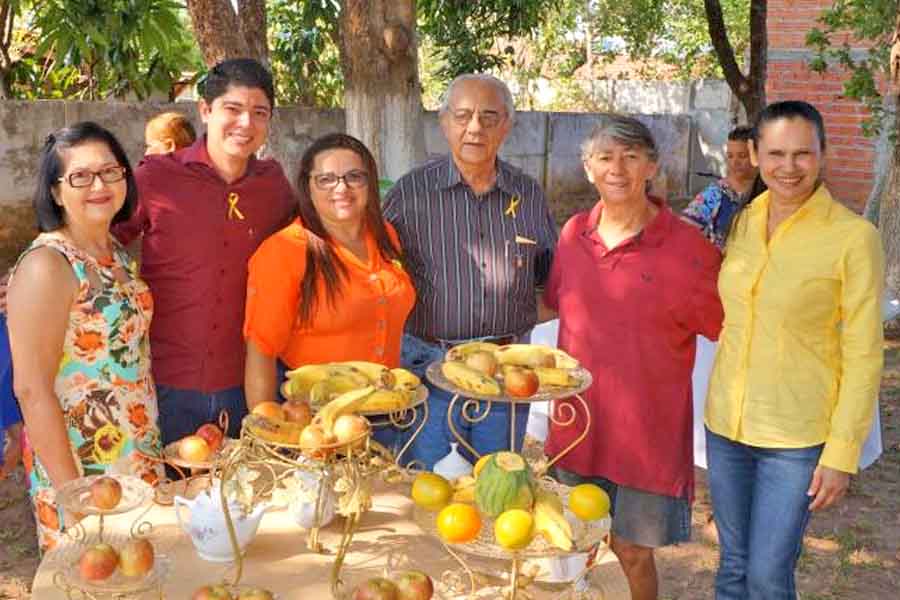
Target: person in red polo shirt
[[633, 286], [202, 213]]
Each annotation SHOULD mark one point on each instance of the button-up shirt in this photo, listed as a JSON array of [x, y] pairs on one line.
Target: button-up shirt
[[475, 260], [800, 356], [198, 234], [630, 315], [365, 322]]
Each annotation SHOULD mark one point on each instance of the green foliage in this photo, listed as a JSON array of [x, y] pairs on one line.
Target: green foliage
[[463, 32], [116, 47], [304, 56], [871, 23], [673, 32]]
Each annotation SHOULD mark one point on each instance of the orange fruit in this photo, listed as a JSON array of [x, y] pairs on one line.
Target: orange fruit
[[431, 491], [589, 502], [270, 410], [514, 529], [459, 523]]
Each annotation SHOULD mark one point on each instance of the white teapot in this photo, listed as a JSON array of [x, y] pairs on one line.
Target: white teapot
[[303, 505], [208, 529]]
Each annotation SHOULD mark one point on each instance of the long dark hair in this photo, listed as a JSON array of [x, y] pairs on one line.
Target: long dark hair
[[321, 258]]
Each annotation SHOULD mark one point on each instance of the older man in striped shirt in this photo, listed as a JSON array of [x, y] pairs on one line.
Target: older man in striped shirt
[[478, 240]]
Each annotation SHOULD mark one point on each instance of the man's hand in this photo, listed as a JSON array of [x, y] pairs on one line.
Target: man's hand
[[828, 486]]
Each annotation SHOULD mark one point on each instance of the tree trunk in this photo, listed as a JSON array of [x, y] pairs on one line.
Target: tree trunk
[[889, 207], [750, 89], [221, 33], [382, 98]]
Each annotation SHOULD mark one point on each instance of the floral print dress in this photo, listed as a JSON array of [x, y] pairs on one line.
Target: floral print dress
[[103, 383]]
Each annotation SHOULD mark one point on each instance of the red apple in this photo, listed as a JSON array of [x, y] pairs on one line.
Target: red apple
[[106, 493], [98, 562], [482, 361], [414, 585], [212, 434], [312, 438], [211, 592], [377, 588], [297, 411], [520, 382], [194, 449], [350, 427], [136, 558], [255, 594]]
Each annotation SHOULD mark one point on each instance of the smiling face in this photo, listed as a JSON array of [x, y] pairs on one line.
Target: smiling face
[[790, 158], [342, 204], [96, 204], [619, 172], [475, 123], [237, 123]]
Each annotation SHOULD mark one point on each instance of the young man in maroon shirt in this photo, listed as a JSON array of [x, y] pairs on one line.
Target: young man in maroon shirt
[[202, 213]]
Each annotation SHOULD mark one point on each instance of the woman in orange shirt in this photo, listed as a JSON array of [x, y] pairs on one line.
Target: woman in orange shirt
[[330, 286]]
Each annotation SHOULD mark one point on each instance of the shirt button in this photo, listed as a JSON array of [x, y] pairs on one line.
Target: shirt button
[[373, 277], [381, 300], [379, 351], [382, 324]]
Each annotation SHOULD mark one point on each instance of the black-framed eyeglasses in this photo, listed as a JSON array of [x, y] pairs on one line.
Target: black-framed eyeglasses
[[83, 179], [329, 181], [488, 119]]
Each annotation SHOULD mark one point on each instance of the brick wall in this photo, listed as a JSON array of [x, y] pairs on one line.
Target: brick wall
[[851, 156]]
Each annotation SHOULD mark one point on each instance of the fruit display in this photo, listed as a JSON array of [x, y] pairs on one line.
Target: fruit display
[[550, 520], [198, 449], [322, 383], [133, 560], [513, 370], [504, 482]]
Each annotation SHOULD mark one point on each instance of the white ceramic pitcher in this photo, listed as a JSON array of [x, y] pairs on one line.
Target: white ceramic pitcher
[[208, 529]]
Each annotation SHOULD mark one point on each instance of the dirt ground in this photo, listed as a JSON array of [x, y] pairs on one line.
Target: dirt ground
[[851, 552]]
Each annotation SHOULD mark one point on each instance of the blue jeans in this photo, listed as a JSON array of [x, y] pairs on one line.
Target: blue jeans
[[761, 511], [181, 412], [433, 442]]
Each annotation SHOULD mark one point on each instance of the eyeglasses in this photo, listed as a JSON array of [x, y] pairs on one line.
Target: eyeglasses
[[329, 181], [488, 119], [83, 179]]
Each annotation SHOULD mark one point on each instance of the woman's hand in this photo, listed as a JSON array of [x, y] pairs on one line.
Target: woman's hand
[[828, 487]]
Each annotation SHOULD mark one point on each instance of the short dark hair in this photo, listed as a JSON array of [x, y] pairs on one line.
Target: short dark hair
[[242, 72], [741, 133], [321, 259], [50, 215], [790, 109]]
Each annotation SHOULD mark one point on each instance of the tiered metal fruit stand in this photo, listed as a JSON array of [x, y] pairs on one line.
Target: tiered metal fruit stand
[[565, 405], [74, 498]]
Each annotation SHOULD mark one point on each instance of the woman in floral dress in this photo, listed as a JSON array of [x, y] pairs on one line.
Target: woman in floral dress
[[79, 318]]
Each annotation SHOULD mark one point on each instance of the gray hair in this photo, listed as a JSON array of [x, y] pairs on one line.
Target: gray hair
[[627, 131], [501, 87]]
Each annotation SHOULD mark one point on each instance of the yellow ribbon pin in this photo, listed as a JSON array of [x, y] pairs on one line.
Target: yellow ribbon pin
[[513, 205], [233, 211]]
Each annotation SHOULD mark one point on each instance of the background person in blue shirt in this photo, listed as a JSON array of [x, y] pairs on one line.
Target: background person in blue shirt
[[10, 417]]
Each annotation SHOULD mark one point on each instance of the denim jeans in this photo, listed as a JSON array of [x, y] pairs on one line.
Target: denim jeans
[[433, 442], [181, 412], [761, 511]]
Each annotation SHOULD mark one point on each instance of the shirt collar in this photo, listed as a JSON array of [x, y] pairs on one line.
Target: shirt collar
[[452, 177], [652, 234], [816, 206], [197, 153]]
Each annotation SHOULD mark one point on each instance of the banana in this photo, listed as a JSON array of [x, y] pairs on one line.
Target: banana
[[463, 350], [280, 432], [550, 521], [555, 377], [386, 401], [464, 489], [526, 355], [469, 379], [379, 375], [303, 378], [323, 392], [563, 360], [405, 380], [345, 404]]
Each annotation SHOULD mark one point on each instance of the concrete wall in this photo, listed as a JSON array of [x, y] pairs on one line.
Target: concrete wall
[[545, 145]]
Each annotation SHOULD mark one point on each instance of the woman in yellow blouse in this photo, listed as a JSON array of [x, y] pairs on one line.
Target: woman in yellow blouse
[[799, 362]]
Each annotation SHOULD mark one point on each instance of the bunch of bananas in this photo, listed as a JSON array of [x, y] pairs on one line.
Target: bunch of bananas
[[480, 367], [320, 385]]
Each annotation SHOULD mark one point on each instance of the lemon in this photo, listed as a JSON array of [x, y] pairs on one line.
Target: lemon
[[514, 529], [431, 491], [589, 502], [480, 464]]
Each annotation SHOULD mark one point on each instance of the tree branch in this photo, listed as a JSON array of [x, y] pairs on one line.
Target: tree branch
[[718, 35], [759, 49]]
